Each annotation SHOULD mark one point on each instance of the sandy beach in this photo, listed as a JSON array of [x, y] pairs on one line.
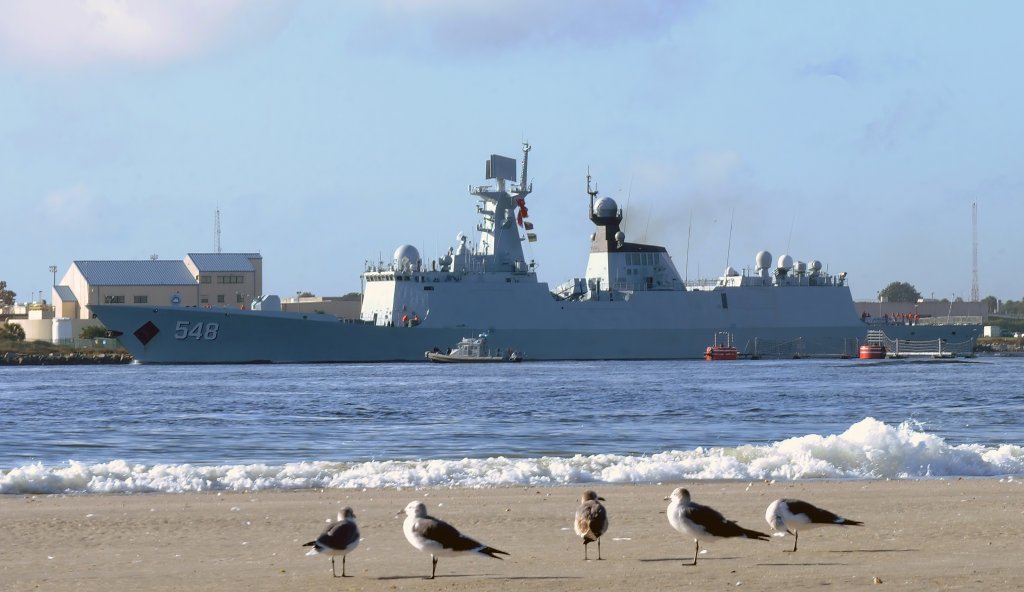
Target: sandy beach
[[918, 535]]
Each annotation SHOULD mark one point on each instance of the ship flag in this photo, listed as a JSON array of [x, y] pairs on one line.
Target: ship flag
[[531, 237], [523, 212], [528, 225]]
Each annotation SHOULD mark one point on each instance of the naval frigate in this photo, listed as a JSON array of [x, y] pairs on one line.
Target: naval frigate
[[631, 303]]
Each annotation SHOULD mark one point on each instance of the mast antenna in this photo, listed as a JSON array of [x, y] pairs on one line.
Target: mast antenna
[[975, 296], [525, 187], [216, 231]]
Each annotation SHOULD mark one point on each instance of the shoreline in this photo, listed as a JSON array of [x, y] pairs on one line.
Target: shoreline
[[919, 535]]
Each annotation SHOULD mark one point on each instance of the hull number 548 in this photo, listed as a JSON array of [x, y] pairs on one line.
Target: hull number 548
[[187, 330]]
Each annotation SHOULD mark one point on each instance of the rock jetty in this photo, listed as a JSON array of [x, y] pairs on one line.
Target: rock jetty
[[11, 358]]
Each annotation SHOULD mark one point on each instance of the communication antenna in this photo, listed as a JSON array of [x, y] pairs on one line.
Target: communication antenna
[[689, 233], [216, 231], [728, 250], [974, 252]]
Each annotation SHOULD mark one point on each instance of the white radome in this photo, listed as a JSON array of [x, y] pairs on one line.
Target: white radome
[[605, 207]]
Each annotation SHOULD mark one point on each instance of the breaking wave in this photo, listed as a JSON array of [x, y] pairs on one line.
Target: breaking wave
[[869, 449]]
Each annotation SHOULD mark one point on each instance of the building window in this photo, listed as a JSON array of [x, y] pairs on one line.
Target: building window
[[220, 299], [113, 300], [239, 298], [230, 279], [141, 299], [204, 300], [205, 279]]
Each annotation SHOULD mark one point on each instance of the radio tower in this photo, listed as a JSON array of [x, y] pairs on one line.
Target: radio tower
[[975, 297], [216, 231]]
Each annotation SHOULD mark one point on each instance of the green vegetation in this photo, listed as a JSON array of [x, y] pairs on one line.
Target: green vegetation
[[92, 332], [11, 332], [899, 292], [6, 296]]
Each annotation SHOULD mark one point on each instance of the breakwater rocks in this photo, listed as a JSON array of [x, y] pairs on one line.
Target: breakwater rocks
[[62, 358]]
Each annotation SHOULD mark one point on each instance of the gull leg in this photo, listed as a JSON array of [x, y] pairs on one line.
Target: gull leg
[[599, 549], [584, 549], [796, 537], [696, 549], [343, 566], [333, 573], [433, 565]]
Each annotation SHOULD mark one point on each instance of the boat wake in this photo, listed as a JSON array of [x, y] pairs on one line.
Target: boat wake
[[869, 449]]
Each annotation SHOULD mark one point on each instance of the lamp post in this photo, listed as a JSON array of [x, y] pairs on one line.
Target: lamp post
[[53, 270]]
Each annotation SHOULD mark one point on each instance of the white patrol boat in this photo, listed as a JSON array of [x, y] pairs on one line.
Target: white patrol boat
[[631, 303], [473, 350]]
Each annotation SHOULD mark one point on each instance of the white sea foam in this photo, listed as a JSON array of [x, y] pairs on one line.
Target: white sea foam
[[868, 449]]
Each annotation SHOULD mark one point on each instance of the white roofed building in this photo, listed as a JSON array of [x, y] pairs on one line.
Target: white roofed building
[[201, 279]]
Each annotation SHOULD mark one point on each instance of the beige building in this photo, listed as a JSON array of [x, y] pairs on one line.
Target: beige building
[[201, 279]]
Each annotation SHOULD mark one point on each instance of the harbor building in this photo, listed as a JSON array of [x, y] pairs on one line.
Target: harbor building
[[200, 280]]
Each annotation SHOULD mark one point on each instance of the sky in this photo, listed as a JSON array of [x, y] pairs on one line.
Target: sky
[[329, 133]]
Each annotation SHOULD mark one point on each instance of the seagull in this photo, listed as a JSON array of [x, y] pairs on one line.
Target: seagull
[[591, 521], [702, 522], [437, 537], [339, 538], [791, 516]]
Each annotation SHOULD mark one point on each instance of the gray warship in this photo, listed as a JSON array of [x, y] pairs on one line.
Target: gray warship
[[630, 304]]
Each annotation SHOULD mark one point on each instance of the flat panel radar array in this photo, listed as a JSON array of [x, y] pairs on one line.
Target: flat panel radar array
[[501, 167]]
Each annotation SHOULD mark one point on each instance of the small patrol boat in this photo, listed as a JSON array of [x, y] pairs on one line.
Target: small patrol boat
[[473, 349]]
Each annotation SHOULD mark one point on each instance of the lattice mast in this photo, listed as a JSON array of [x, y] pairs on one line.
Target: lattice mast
[[975, 296], [216, 231]]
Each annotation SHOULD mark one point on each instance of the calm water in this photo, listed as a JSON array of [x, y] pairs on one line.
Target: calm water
[[350, 413]]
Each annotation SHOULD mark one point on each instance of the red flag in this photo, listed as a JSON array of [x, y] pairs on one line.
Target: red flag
[[523, 212]]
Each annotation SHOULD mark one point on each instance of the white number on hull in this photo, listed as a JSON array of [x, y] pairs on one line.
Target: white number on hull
[[197, 331]]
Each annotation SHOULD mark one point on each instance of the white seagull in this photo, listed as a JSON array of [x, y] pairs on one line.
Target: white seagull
[[703, 523], [591, 521], [791, 516], [438, 538], [339, 538]]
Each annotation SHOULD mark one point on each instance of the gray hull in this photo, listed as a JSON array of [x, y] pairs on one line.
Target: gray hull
[[669, 325]]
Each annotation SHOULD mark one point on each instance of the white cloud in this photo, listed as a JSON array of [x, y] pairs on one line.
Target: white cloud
[[493, 25], [71, 33]]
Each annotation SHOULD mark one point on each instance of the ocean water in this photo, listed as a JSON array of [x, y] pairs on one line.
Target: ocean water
[[145, 428]]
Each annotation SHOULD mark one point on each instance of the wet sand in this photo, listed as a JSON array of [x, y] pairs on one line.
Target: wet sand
[[918, 535]]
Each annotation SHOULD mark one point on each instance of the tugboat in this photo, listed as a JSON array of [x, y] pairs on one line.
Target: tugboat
[[723, 351], [473, 349]]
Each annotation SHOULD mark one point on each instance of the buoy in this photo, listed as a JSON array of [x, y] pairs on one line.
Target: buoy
[[872, 351]]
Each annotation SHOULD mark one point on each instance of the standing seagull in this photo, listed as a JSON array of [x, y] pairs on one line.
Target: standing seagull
[[791, 516], [703, 523], [591, 521], [340, 538], [437, 537]]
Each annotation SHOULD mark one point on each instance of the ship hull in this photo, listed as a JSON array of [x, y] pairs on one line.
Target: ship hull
[[652, 326]]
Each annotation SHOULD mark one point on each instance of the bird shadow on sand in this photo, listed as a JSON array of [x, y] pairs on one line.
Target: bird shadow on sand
[[685, 560], [478, 576], [873, 551], [801, 564]]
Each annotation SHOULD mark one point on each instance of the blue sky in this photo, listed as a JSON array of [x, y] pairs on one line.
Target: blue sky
[[329, 133]]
